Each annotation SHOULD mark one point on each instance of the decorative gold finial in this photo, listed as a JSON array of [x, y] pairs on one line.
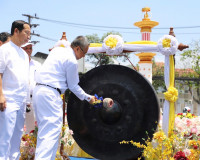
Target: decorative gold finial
[[146, 24], [171, 32], [146, 10], [64, 36], [181, 46]]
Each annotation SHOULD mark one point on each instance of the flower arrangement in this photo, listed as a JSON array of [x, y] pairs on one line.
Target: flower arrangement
[[182, 144], [186, 115], [62, 43], [65, 137], [28, 143], [168, 45], [113, 44], [189, 125]]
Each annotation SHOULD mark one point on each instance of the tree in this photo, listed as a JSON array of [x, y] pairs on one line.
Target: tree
[[95, 58], [193, 57], [109, 33], [158, 76], [93, 38]]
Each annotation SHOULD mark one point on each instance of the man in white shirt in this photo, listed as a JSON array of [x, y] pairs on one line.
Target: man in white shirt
[[14, 69], [4, 38], [33, 66], [58, 73]]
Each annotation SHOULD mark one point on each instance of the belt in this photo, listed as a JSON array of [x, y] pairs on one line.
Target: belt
[[49, 86]]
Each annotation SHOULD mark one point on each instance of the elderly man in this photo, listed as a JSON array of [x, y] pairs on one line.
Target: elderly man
[[33, 67], [58, 73], [14, 81]]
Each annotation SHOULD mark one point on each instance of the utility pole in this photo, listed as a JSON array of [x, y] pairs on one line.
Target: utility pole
[[32, 25]]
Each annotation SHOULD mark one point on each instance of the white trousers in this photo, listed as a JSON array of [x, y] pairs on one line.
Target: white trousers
[[48, 111], [11, 129], [30, 120]]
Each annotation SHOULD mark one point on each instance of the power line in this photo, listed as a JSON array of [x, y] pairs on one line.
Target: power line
[[100, 26], [93, 27], [48, 38], [85, 25], [38, 35], [176, 33], [185, 27], [32, 25], [96, 27]]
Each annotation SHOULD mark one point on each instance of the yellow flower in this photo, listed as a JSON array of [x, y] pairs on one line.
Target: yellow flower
[[62, 96], [124, 142], [57, 153], [159, 136], [165, 147], [138, 145], [166, 43], [63, 128], [194, 155], [111, 42], [189, 115], [171, 95], [193, 143], [62, 45]]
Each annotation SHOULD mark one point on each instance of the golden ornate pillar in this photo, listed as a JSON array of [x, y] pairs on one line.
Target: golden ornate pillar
[[145, 63]]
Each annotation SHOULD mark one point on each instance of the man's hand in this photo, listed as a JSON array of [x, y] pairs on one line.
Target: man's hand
[[2, 103], [93, 99]]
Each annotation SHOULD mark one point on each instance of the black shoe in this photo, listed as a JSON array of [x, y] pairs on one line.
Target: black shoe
[[28, 109]]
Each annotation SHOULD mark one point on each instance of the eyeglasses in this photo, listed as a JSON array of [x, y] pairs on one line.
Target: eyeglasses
[[82, 50]]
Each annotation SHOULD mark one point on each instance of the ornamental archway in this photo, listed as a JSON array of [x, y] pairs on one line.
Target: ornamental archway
[[167, 45]]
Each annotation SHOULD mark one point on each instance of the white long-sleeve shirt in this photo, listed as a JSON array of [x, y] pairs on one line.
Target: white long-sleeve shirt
[[60, 70]]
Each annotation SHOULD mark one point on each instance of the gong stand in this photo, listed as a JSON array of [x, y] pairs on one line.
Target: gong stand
[[118, 56], [133, 116], [65, 157]]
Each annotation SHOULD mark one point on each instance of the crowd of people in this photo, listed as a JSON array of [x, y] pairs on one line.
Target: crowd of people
[[31, 90]]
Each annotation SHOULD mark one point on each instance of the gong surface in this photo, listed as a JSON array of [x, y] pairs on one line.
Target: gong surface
[[135, 113]]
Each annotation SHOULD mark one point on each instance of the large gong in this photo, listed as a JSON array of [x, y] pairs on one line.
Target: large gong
[[135, 113]]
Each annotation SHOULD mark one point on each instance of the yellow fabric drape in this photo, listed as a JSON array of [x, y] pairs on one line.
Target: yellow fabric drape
[[171, 84], [134, 42]]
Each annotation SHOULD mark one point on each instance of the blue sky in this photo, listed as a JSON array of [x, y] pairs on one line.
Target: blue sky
[[113, 13]]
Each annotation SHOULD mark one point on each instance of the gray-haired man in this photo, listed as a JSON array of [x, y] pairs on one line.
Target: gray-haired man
[[58, 73]]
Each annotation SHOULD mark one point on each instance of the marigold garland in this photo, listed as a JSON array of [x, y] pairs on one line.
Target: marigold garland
[[111, 42], [166, 43]]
